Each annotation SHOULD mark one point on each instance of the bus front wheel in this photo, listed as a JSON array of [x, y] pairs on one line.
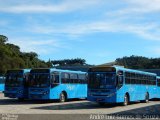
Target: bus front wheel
[[126, 100], [63, 97]]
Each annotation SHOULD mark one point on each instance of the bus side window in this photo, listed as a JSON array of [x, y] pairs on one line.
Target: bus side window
[[158, 82], [65, 77], [55, 78], [73, 78], [3, 80], [127, 78], [82, 78]]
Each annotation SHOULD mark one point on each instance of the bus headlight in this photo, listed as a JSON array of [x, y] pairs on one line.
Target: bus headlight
[[112, 94]]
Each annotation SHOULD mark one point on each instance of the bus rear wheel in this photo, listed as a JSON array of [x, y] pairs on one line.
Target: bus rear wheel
[[126, 100], [63, 97]]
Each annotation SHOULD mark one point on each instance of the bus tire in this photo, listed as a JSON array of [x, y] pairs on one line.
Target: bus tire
[[63, 97], [126, 100], [146, 98]]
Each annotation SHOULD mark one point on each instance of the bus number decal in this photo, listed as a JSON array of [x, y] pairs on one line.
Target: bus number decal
[[69, 87], [131, 89]]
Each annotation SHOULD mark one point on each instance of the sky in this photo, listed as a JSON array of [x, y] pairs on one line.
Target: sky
[[98, 31]]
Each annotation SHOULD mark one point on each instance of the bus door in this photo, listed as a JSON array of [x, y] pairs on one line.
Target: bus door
[[26, 84], [120, 79], [119, 84], [55, 79]]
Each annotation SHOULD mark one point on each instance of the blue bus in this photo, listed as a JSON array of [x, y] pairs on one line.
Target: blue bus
[[49, 84], [16, 84], [115, 84], [158, 87], [2, 80]]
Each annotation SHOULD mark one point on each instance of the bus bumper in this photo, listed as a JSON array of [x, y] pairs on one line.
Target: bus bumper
[[38, 96], [14, 92], [102, 99], [13, 95], [39, 93]]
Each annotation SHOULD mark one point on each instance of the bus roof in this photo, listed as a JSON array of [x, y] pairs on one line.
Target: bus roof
[[71, 71], [58, 70], [123, 69], [24, 70], [158, 77]]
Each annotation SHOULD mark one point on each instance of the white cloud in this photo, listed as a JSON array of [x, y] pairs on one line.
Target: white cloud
[[145, 5], [137, 7], [120, 20], [33, 8], [155, 50], [149, 31], [3, 23], [48, 7], [39, 46]]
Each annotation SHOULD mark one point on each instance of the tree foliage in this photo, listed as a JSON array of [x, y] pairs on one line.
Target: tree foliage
[[12, 58], [139, 62], [3, 39], [76, 61]]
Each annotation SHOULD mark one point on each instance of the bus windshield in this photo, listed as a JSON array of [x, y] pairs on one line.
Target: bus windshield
[[39, 80], [14, 80], [102, 80]]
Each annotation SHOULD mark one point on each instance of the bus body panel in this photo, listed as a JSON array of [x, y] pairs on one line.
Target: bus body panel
[[72, 90], [1, 87], [158, 87], [136, 92], [158, 92]]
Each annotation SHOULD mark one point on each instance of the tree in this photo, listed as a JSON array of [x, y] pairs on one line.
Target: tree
[[3, 39], [139, 62], [12, 58], [76, 61], [49, 63]]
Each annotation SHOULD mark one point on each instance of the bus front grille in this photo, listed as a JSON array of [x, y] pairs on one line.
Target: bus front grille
[[103, 90], [33, 96], [99, 95]]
